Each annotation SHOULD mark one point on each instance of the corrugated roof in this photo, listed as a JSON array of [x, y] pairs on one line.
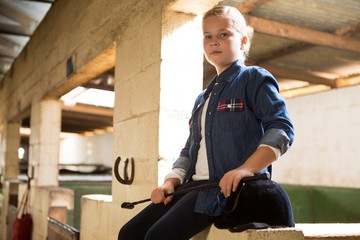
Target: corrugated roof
[[314, 41]]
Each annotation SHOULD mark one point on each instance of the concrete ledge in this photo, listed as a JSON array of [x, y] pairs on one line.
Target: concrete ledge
[[338, 231], [263, 234], [96, 218]]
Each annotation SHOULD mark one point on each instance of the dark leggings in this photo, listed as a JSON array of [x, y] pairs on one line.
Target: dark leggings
[[176, 220]]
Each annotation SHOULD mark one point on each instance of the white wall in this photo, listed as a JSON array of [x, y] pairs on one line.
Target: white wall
[[326, 150], [95, 149]]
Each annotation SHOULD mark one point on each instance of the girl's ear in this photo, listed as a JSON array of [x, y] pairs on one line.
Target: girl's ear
[[243, 42]]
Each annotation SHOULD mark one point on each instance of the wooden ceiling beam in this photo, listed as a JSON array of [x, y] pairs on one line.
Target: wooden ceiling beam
[[293, 48], [311, 89], [299, 75], [348, 81], [345, 31], [89, 110], [97, 86], [250, 5], [82, 118], [348, 30], [301, 34], [86, 122]]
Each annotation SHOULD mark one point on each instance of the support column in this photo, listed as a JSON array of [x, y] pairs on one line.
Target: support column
[[137, 97], [44, 142], [181, 80], [159, 65], [9, 144], [10, 141]]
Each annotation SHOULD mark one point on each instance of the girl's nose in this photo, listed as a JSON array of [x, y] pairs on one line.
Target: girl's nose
[[214, 43]]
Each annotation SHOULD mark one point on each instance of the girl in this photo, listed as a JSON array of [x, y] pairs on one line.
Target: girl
[[239, 127]]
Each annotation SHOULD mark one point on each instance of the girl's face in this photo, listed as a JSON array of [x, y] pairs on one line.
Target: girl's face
[[221, 42]]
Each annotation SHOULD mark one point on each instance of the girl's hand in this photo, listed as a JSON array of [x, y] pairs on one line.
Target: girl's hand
[[230, 181], [260, 159], [158, 194]]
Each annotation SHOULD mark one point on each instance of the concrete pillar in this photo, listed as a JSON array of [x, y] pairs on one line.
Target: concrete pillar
[[8, 207], [10, 141], [158, 74], [44, 142], [181, 80], [136, 112], [9, 144]]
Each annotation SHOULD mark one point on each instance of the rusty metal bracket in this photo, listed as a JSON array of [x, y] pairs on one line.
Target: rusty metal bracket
[[126, 180]]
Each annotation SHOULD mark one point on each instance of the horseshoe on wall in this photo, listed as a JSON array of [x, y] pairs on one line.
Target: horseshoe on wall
[[126, 180]]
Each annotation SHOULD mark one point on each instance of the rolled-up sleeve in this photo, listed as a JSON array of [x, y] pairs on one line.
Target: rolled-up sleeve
[[276, 138], [270, 108], [178, 173]]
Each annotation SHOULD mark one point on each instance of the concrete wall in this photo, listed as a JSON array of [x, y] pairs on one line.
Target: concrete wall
[[83, 30], [326, 148]]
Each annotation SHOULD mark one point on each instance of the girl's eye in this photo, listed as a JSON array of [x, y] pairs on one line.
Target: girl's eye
[[223, 35], [207, 37]]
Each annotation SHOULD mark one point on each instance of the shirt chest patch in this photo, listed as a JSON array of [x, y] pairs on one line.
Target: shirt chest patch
[[231, 105]]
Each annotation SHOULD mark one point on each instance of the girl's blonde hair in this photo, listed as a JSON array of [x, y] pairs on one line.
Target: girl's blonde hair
[[236, 18]]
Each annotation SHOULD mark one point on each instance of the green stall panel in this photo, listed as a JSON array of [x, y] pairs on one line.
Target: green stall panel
[[317, 204], [83, 188]]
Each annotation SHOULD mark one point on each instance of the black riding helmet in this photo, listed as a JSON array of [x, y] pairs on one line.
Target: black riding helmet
[[258, 203]]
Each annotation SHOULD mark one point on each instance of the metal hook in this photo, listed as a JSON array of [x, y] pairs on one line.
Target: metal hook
[[126, 180], [29, 181]]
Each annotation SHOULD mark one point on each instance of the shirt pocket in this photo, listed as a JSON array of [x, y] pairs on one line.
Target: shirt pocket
[[231, 105]]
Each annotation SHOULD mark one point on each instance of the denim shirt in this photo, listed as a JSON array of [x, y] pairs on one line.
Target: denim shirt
[[245, 110]]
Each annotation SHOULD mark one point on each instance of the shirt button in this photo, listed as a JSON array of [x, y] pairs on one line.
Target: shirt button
[[209, 113]]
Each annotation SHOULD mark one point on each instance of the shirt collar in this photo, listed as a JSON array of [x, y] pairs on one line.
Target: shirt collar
[[227, 75], [230, 73]]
